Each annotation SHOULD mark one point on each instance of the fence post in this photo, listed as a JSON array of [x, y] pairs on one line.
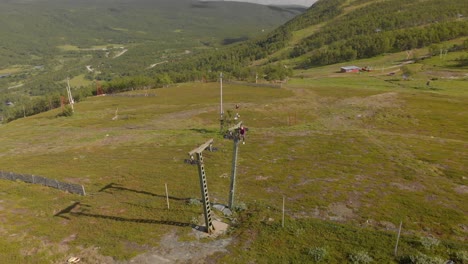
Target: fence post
[[167, 196], [398, 238], [282, 221]]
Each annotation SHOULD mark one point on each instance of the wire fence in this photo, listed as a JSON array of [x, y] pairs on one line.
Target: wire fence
[[67, 187]]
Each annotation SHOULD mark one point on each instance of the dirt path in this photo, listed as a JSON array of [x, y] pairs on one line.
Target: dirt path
[[171, 250], [120, 53], [174, 251]]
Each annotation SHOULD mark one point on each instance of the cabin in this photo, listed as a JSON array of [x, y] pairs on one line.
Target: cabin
[[350, 69]]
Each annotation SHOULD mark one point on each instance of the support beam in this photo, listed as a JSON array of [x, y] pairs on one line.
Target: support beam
[[201, 148], [234, 127]]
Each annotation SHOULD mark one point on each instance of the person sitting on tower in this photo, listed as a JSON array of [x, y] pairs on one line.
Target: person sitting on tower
[[242, 133]]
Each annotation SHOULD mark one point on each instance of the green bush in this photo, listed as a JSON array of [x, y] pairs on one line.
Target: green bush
[[318, 254], [421, 259], [241, 206], [429, 242], [194, 201], [460, 257], [360, 257], [67, 111]]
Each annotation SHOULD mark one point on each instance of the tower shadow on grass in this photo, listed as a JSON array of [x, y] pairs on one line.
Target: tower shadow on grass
[[75, 206], [67, 210], [202, 130], [116, 186], [134, 220]]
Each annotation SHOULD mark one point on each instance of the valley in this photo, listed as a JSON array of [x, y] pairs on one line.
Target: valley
[[354, 147]]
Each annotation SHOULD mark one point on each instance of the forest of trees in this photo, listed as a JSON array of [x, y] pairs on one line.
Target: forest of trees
[[366, 46], [383, 27]]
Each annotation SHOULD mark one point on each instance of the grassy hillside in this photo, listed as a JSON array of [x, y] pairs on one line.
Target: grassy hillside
[[46, 41], [353, 155], [183, 46]]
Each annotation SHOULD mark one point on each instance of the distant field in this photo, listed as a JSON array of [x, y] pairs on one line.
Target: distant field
[[10, 70], [76, 48], [79, 81]]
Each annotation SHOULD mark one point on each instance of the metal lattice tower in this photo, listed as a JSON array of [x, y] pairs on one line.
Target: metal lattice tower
[[236, 137], [203, 184]]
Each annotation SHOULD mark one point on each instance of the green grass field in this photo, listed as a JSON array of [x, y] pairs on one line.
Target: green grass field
[[352, 154]]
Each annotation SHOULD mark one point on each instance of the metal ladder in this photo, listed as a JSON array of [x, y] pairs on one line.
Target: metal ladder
[[204, 192]]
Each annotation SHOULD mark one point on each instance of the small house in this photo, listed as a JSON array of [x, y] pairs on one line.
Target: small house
[[350, 69]]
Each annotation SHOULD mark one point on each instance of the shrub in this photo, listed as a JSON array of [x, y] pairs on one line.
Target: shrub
[[241, 206], [318, 254], [194, 201], [67, 111], [460, 257], [360, 257], [299, 232], [429, 242], [421, 259], [194, 221]]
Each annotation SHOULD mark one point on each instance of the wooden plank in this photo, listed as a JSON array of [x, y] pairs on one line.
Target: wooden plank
[[234, 127], [201, 148]]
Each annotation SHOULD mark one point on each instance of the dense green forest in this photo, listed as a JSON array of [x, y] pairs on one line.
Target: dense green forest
[[342, 31]]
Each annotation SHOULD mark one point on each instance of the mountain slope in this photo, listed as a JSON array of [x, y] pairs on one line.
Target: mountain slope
[[45, 41], [306, 3], [333, 163], [338, 30], [349, 157], [329, 32], [36, 28]]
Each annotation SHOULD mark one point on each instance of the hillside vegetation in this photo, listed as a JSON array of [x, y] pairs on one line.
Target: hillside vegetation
[[329, 32], [352, 154], [342, 31], [46, 41], [333, 167]]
